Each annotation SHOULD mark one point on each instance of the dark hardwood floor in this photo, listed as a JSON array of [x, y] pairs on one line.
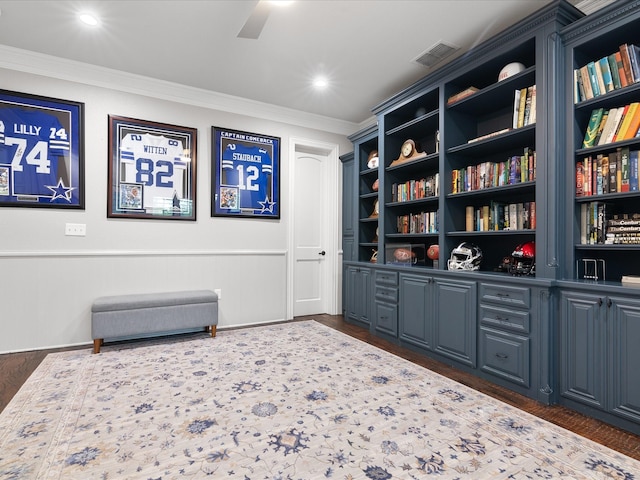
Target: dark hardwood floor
[[15, 369]]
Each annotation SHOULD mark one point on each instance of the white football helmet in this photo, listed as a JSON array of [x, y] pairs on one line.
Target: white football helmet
[[465, 256]]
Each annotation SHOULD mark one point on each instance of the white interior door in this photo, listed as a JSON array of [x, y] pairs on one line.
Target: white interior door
[[310, 243]]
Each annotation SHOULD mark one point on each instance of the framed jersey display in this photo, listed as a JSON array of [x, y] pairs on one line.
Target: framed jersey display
[[152, 170], [246, 174], [41, 151]]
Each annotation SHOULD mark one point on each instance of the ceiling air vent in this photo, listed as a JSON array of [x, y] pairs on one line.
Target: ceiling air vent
[[590, 6], [435, 54]]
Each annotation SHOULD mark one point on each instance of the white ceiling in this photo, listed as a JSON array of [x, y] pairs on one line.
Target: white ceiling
[[365, 48]]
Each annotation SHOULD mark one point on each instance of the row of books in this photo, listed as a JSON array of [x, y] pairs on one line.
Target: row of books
[[516, 169], [416, 189], [613, 172], [612, 72], [424, 222], [623, 229], [501, 216], [524, 107], [612, 125], [598, 226]]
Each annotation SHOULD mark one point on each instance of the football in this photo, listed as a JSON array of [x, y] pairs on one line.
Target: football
[[403, 254], [433, 252]]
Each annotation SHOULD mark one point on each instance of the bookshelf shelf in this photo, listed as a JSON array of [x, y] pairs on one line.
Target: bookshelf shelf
[[612, 248], [509, 233], [412, 203], [611, 99], [415, 166], [506, 190], [519, 137], [410, 235], [635, 196], [427, 121]]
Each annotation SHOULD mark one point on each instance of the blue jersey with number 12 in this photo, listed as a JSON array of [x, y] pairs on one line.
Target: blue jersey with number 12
[[249, 169]]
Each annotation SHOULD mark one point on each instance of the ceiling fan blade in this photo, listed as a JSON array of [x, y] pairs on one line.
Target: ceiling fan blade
[[254, 24]]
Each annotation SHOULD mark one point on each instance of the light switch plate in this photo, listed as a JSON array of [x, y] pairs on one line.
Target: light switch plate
[[75, 229]]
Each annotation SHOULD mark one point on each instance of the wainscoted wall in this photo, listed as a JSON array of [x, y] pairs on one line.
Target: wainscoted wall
[[47, 303], [48, 280]]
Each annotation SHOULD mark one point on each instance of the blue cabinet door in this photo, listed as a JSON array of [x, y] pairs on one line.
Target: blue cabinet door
[[455, 322], [624, 356], [582, 349], [358, 294], [416, 310]]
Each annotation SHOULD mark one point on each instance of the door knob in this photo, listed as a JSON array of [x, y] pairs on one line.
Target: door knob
[[323, 253]]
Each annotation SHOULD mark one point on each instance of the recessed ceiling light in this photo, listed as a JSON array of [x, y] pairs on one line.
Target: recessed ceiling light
[[320, 82], [88, 19], [281, 3]]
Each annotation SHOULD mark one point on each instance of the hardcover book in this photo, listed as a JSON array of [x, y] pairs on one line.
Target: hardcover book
[[579, 179], [463, 94], [621, 73], [624, 113], [633, 171], [626, 121], [516, 108], [613, 173], [626, 63], [593, 79], [614, 125], [634, 125], [592, 127], [586, 82], [613, 68], [623, 153]]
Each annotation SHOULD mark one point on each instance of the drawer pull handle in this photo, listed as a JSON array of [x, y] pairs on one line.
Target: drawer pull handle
[[502, 356], [500, 319], [506, 295]]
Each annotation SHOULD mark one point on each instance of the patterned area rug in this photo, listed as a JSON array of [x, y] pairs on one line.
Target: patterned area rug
[[289, 401]]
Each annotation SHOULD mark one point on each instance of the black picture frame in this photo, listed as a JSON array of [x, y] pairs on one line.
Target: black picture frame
[[41, 151], [152, 170], [245, 174]]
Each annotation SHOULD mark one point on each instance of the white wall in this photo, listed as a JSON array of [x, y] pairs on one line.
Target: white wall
[[48, 280]]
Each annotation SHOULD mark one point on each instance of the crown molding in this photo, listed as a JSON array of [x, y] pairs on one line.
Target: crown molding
[[63, 69]]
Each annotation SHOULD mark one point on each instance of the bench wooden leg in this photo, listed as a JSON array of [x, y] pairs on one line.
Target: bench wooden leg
[[96, 345], [212, 328]]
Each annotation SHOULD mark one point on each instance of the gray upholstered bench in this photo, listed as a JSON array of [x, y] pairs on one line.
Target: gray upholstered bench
[[131, 315]]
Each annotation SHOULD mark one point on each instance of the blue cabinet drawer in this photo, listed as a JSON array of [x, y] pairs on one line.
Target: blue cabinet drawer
[[505, 355], [505, 295], [386, 319], [386, 278], [388, 295], [517, 320]]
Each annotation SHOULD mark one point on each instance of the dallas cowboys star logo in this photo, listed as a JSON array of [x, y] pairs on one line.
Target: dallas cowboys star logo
[[60, 191], [267, 206]]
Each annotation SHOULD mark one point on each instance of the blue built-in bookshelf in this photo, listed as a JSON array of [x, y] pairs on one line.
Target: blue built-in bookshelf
[[604, 127]]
